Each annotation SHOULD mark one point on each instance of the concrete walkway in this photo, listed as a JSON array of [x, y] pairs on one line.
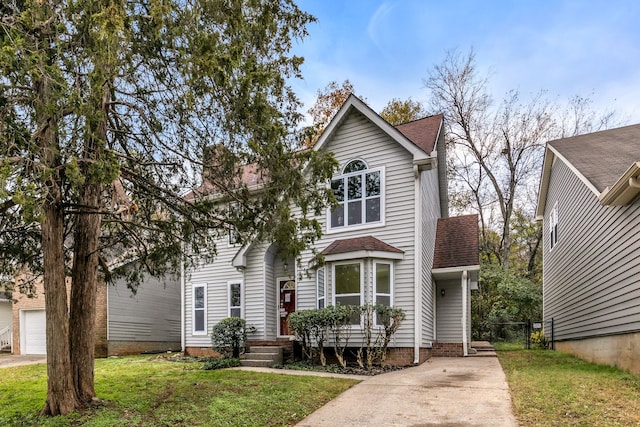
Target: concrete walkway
[[9, 360], [451, 391]]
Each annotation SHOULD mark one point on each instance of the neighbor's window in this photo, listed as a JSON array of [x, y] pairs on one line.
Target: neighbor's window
[[235, 299], [347, 285], [320, 286], [199, 309], [359, 194], [553, 226], [383, 284]]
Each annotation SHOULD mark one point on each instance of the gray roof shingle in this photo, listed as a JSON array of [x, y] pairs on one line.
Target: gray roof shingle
[[601, 157]]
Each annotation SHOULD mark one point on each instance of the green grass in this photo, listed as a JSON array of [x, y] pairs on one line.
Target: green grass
[[139, 391], [550, 388]]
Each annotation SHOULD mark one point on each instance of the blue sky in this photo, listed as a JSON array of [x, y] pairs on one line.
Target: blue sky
[[387, 48]]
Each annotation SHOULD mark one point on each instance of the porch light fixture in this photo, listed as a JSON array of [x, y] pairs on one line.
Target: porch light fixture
[[442, 292], [285, 266]]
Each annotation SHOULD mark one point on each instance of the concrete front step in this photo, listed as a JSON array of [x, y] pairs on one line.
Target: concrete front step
[[482, 346], [257, 363], [485, 353], [265, 349], [262, 356]]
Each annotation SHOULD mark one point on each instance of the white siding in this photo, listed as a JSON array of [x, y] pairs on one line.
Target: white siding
[[356, 137], [591, 277], [449, 309], [255, 291], [430, 212], [151, 314], [359, 138], [215, 275]]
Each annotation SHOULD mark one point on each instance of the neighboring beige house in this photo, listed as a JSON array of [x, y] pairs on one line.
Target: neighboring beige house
[[590, 209], [126, 323], [389, 241]]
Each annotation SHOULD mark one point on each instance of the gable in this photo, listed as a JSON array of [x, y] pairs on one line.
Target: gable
[[352, 104], [607, 162]]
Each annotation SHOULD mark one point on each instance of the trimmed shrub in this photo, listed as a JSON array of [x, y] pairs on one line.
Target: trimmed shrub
[[229, 336]]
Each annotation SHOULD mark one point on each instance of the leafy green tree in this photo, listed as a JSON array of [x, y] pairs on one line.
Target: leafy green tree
[[397, 111], [108, 115], [327, 104]]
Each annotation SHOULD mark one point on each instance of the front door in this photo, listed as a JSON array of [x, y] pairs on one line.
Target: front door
[[287, 289]]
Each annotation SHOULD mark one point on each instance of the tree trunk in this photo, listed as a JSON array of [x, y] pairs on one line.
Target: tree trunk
[[83, 293], [61, 396], [86, 259]]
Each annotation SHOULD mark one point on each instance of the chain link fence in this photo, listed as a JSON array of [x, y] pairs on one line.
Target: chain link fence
[[530, 334]]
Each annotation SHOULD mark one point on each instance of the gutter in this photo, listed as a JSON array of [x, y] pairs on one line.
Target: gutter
[[625, 189], [417, 264]]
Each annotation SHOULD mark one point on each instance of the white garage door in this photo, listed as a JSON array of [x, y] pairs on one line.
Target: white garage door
[[34, 330]]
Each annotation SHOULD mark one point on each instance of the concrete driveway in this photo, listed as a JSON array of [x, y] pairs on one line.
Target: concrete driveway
[[443, 391], [9, 360]]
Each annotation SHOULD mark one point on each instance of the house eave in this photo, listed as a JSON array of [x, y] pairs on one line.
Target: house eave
[[449, 273], [345, 256], [624, 190]]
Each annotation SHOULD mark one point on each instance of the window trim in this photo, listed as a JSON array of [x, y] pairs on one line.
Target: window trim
[[382, 197], [375, 281], [333, 280], [193, 308], [322, 297], [553, 227], [229, 306]]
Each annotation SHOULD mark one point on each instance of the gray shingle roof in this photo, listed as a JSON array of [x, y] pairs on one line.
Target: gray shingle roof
[[601, 157]]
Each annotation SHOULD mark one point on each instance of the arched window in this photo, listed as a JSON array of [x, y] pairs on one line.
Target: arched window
[[354, 166], [359, 193]]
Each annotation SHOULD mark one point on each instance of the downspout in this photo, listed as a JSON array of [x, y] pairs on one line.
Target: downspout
[[417, 263], [182, 291], [634, 182], [464, 312]]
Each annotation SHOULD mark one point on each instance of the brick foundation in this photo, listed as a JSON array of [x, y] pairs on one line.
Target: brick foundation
[[122, 348], [447, 349], [201, 352], [403, 356]]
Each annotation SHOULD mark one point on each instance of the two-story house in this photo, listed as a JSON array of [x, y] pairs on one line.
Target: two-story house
[[590, 209], [388, 241]]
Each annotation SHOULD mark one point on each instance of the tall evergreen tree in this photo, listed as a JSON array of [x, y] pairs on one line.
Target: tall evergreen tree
[[108, 111]]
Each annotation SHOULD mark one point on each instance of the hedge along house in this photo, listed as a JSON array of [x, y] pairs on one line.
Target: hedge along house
[[389, 241], [589, 205]]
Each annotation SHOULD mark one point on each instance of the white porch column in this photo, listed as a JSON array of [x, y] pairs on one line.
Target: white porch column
[[464, 312]]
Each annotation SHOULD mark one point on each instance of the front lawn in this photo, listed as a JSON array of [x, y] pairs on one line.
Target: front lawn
[[549, 388], [143, 391]]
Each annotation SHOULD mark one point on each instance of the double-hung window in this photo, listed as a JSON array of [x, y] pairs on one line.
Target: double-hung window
[[320, 286], [199, 309], [553, 226], [383, 284], [359, 193], [347, 284], [235, 299]]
